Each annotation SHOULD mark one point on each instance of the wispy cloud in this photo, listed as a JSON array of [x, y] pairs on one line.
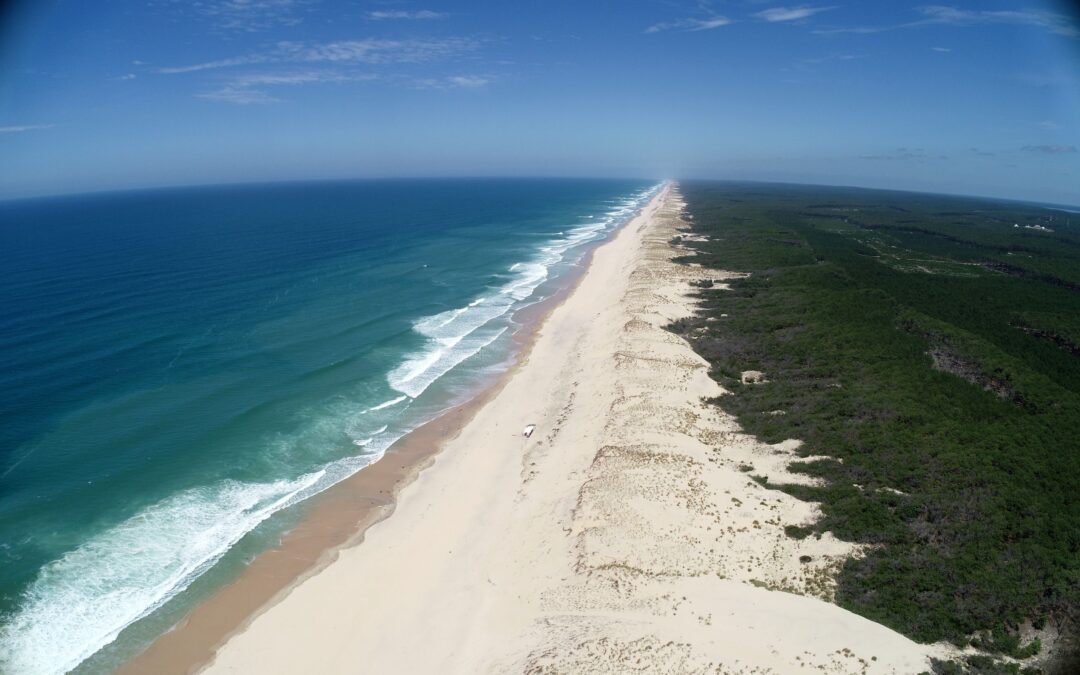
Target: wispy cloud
[[367, 51], [452, 82], [248, 15], [1050, 149], [713, 20], [251, 89], [1055, 23], [469, 81], [300, 63], [213, 65], [18, 129], [941, 50], [690, 25], [776, 14], [254, 77], [422, 14], [1049, 125], [939, 15], [239, 96], [375, 51]]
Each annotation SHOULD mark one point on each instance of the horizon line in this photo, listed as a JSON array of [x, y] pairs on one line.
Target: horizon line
[[165, 187]]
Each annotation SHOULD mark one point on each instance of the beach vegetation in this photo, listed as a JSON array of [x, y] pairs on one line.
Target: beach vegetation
[[929, 348]]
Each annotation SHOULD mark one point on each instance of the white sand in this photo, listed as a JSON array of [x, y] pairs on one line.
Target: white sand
[[624, 536]]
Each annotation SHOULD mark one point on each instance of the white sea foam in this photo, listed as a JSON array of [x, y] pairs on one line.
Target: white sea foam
[[457, 334], [385, 404], [363, 442], [80, 602], [415, 375]]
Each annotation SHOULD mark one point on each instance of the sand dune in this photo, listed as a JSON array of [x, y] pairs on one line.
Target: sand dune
[[624, 536]]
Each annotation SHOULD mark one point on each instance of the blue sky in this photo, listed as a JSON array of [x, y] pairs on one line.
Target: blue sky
[[967, 97]]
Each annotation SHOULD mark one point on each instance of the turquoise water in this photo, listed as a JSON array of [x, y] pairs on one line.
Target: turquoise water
[[179, 366]]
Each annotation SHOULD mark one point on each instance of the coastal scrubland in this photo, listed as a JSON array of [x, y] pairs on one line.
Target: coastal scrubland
[[925, 350]]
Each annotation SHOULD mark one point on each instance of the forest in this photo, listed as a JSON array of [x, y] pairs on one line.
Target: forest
[[929, 346]]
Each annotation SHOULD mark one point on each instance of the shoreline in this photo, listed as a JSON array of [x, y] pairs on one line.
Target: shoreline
[[624, 535], [338, 518]]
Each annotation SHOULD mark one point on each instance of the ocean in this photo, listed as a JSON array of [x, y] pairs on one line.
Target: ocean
[[180, 369]]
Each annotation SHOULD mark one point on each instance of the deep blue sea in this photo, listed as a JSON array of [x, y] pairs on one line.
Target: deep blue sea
[[179, 367]]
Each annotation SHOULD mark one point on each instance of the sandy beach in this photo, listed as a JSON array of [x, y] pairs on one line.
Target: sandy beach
[[625, 535]]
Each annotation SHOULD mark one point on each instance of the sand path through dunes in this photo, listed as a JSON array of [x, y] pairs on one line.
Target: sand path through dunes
[[624, 536]]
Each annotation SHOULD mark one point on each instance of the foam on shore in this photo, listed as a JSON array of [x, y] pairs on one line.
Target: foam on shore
[[453, 336]]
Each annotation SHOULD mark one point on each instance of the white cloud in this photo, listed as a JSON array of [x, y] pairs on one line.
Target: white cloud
[[212, 65], [328, 62], [1055, 23], [276, 79], [452, 82], [367, 51], [248, 15], [938, 15], [383, 15], [790, 13], [942, 50], [251, 88], [24, 127], [238, 96], [468, 81], [1049, 125], [690, 24], [373, 51]]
